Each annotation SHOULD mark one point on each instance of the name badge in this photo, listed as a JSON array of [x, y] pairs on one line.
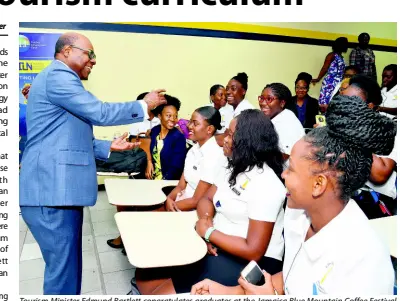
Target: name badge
[[235, 191]]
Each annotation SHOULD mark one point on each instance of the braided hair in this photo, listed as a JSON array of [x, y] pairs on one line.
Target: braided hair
[[353, 133]]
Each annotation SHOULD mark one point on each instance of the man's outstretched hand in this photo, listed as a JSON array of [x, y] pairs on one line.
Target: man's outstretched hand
[[121, 144]]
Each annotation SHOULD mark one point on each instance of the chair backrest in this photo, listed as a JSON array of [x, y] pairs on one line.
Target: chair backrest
[[144, 140]]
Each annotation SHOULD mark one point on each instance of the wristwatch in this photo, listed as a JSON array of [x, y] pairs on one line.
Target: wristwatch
[[208, 234]]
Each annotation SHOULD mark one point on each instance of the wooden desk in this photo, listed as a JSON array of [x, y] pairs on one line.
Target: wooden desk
[[387, 229], [160, 239], [124, 192]]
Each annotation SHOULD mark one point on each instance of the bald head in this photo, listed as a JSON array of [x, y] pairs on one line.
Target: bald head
[[76, 51]]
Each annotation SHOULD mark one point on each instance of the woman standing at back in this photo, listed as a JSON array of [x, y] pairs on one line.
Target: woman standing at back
[[306, 106], [332, 71]]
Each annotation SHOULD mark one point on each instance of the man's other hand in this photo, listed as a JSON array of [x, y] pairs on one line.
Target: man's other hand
[[121, 144]]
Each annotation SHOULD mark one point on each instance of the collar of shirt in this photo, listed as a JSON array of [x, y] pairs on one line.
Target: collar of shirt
[[207, 146], [63, 63], [392, 91], [281, 117], [243, 105], [316, 246]]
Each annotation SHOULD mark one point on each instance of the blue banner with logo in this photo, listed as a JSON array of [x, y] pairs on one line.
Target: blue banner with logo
[[36, 51]]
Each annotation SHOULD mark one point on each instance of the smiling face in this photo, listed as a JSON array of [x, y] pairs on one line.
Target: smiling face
[[301, 89], [77, 57], [199, 129], [219, 98], [270, 105], [168, 117], [228, 140], [302, 184], [234, 93]]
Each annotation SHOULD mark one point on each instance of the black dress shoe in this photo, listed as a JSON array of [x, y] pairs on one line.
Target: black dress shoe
[[113, 245]]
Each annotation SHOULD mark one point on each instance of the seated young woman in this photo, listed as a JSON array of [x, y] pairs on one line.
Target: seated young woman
[[276, 102], [168, 144], [168, 150], [330, 246], [218, 101], [238, 221], [201, 161]]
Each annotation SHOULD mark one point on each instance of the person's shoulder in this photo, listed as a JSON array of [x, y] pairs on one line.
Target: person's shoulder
[[266, 177], [155, 130], [176, 134], [289, 116], [313, 100], [361, 234]]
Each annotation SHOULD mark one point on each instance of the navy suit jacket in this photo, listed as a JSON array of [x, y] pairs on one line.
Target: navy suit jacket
[[173, 153], [58, 165]]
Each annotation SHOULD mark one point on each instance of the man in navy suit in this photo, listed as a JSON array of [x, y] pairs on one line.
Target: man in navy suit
[[58, 171]]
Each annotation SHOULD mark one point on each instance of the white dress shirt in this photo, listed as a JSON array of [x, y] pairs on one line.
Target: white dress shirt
[[257, 195], [226, 117], [389, 100], [388, 188], [289, 130], [201, 164], [144, 126], [344, 258]]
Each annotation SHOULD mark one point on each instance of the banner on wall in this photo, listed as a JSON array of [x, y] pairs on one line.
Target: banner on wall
[[36, 52]]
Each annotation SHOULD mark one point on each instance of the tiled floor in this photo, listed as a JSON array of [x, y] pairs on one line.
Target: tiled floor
[[106, 271]]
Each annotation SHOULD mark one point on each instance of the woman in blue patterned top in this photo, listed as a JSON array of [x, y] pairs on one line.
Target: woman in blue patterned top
[[332, 71]]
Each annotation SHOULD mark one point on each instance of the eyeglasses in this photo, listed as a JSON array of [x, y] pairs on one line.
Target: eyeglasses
[[301, 88], [266, 99], [90, 52]]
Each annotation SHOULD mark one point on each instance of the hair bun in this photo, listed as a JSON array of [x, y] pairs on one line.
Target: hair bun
[[307, 77], [350, 120], [243, 76]]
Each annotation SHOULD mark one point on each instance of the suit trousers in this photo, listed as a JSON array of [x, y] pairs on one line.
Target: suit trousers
[[58, 231]]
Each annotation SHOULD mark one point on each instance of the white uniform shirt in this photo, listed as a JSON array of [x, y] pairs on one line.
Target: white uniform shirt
[[226, 117], [388, 188], [257, 195], [144, 126], [289, 130], [201, 165], [389, 100], [243, 105], [346, 257]]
